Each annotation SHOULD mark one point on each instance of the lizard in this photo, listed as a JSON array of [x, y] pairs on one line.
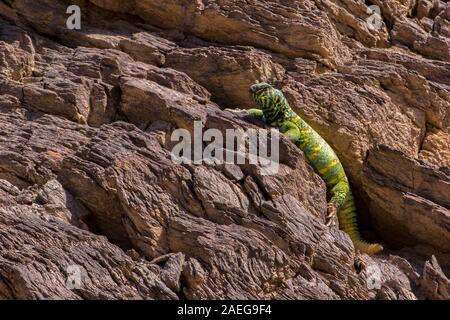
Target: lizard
[[274, 109]]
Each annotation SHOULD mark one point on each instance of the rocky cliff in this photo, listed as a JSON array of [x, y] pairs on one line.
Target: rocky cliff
[[87, 180]]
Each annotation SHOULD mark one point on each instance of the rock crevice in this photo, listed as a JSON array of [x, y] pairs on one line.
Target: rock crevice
[[87, 182]]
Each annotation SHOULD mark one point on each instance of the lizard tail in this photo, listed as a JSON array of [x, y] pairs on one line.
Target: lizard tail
[[369, 248], [348, 224]]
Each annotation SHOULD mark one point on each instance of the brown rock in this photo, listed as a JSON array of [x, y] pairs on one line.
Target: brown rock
[[436, 148], [434, 282], [226, 73], [417, 211], [36, 262], [87, 183], [17, 53]]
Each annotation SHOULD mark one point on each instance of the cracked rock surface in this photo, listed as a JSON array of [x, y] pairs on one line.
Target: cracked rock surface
[[87, 182]]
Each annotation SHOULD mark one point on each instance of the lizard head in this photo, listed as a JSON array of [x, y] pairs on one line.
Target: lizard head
[[271, 101]]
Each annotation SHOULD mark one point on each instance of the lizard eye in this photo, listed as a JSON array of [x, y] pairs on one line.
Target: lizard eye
[[255, 88]]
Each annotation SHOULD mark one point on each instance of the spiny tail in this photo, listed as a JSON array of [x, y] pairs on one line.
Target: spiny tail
[[369, 248], [348, 224]]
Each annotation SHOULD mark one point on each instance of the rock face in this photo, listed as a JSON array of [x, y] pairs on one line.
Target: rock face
[[92, 206]]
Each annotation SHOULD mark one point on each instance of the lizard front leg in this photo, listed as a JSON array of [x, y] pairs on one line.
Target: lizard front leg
[[338, 195], [255, 113], [241, 112]]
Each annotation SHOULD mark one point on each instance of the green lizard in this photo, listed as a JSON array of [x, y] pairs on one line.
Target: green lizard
[[275, 111]]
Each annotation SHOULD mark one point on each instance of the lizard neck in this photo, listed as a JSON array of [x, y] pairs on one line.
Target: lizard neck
[[288, 115], [295, 118]]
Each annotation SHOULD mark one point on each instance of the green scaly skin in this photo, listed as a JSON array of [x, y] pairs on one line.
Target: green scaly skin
[[275, 111]]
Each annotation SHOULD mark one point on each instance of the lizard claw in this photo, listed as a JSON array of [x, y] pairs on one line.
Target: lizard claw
[[331, 212], [360, 261], [237, 111]]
